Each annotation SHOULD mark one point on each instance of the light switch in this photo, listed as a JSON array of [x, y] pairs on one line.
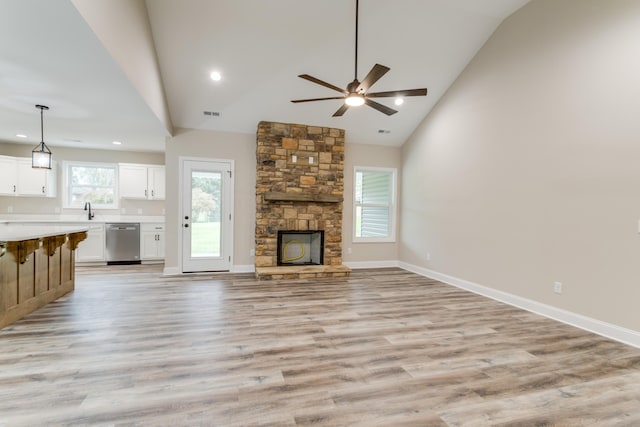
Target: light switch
[[310, 160], [294, 158]]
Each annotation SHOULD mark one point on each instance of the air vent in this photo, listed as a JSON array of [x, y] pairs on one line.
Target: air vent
[[383, 131], [212, 113]]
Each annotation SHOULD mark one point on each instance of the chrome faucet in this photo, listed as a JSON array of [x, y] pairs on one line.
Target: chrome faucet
[[87, 206]]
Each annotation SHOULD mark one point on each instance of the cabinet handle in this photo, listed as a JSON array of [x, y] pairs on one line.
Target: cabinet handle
[[43, 189], [145, 193], [152, 194]]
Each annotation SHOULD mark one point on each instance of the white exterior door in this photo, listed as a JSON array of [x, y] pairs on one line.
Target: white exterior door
[[206, 215]]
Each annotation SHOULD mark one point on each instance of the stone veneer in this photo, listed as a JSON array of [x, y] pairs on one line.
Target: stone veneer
[[299, 195]]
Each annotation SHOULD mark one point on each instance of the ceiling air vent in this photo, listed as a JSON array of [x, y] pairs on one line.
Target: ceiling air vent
[[212, 113]]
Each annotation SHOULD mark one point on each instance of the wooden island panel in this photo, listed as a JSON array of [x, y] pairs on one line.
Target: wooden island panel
[[35, 272]]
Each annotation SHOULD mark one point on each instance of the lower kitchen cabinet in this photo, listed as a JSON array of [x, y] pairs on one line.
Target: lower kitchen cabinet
[[93, 248], [151, 241]]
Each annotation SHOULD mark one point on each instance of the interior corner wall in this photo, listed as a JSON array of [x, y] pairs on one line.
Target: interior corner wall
[[369, 156], [526, 172], [239, 147]]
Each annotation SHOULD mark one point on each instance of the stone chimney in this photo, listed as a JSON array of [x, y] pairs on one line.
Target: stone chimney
[[299, 187]]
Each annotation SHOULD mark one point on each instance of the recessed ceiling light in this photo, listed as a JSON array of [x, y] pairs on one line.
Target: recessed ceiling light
[[215, 76], [19, 135], [399, 101], [117, 143]]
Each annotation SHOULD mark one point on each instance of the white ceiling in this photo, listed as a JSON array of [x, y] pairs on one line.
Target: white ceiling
[[49, 55]]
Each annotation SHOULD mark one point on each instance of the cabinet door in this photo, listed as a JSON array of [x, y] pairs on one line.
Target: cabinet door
[[8, 176], [156, 178], [149, 245], [132, 182], [31, 182], [93, 247], [160, 243]]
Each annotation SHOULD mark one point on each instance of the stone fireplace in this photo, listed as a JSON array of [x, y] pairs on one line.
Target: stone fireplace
[[299, 194]]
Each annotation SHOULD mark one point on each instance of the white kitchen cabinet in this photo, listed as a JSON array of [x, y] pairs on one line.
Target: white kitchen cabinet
[[35, 182], [18, 178], [151, 241], [8, 175], [156, 182], [141, 181], [92, 249]]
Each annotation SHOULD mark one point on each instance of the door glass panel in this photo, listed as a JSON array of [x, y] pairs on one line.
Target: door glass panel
[[206, 205]]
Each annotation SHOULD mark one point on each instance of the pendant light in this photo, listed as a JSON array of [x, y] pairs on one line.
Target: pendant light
[[41, 155]]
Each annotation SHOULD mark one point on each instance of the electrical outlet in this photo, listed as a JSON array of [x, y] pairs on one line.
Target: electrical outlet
[[294, 159], [310, 160], [428, 256], [139, 211], [348, 250], [9, 209], [557, 287], [252, 252], [56, 209]]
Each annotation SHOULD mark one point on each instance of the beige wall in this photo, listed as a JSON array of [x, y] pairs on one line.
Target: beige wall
[[370, 156], [214, 145], [527, 171], [51, 206]]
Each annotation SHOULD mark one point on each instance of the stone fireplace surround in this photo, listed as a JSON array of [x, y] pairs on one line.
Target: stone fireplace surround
[[299, 186]]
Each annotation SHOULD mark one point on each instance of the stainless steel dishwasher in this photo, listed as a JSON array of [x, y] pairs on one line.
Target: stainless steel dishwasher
[[123, 243]]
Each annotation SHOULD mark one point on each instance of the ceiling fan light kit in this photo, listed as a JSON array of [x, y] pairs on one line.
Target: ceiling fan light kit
[[356, 92]]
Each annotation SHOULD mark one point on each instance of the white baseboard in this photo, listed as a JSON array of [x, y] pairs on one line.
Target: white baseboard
[[171, 271], [618, 333], [370, 264], [247, 268]]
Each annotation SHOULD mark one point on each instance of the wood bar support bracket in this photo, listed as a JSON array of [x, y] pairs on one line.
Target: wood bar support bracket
[[52, 243], [75, 238], [22, 249]]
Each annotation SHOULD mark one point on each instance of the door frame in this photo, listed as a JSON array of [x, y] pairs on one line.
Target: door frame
[[231, 195]]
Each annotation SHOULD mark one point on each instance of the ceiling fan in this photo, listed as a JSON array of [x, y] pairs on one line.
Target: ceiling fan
[[356, 92]]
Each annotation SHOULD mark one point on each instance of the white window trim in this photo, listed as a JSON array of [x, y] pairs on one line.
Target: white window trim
[[392, 207], [65, 183]]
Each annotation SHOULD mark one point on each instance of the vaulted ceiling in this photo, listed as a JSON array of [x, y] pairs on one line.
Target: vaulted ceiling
[[51, 55]]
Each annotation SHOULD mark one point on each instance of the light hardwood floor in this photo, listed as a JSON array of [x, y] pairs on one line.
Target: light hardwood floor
[[383, 347]]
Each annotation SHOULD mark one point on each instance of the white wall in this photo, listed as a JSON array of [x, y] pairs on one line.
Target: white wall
[[123, 28], [53, 206], [527, 170], [214, 145]]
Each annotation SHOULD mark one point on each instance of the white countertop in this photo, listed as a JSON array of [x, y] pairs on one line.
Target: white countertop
[[25, 219], [9, 233]]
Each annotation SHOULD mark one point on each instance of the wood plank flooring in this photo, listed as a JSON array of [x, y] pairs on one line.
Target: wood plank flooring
[[381, 348]]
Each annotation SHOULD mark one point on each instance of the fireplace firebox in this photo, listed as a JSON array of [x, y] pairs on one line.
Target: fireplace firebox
[[300, 247]]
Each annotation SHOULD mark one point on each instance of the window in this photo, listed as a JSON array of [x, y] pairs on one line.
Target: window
[[374, 204], [90, 182]]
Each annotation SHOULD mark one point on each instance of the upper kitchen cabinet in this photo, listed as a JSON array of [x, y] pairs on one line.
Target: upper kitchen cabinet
[[18, 178], [141, 181]]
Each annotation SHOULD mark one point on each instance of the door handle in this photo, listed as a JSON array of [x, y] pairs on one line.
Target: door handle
[[186, 226]]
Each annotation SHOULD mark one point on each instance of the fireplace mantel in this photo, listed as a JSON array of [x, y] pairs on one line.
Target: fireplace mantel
[[273, 196]]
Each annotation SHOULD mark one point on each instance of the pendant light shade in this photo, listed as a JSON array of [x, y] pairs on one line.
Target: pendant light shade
[[41, 155]]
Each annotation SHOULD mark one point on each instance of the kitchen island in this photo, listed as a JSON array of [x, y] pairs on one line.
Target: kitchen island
[[37, 266]]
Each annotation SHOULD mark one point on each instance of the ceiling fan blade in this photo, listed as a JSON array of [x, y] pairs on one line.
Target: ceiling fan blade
[[374, 75], [322, 83], [398, 93], [341, 110], [317, 99], [382, 108]]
